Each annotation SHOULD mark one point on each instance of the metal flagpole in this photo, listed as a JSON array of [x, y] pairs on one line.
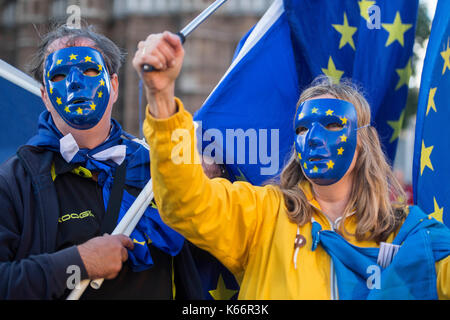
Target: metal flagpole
[[191, 26]]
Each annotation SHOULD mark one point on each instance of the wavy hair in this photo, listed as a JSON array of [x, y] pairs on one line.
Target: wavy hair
[[376, 194]]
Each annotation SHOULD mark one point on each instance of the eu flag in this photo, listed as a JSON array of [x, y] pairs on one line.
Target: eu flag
[[431, 167], [247, 122], [20, 105]]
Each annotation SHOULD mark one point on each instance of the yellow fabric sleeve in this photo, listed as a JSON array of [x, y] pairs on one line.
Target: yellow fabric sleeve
[[443, 278], [214, 214]]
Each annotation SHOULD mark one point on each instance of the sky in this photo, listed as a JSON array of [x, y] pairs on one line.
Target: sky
[[415, 81], [431, 5]]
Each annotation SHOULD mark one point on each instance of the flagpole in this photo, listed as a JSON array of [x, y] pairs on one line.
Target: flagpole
[[126, 227], [191, 26]]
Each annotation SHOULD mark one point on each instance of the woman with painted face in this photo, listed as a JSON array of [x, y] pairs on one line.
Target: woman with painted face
[[335, 225]]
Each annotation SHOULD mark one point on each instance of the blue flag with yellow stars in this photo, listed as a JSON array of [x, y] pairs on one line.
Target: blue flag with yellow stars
[[431, 168], [20, 105], [217, 282], [247, 121]]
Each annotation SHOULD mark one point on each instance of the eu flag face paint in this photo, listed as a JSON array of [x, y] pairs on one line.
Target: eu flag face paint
[[78, 85], [325, 139]]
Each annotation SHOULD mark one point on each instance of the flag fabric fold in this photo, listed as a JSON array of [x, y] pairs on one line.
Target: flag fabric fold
[[293, 43], [422, 242], [258, 95], [21, 105], [431, 169]]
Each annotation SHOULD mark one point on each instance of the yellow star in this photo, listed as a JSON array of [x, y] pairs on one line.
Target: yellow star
[[59, 62], [330, 164], [431, 103], [446, 56], [396, 30], [340, 151], [425, 160], [315, 169], [142, 243], [87, 58], [221, 292], [100, 94], [301, 115], [364, 6], [48, 74], [343, 138], [100, 67], [314, 110], [80, 111], [332, 72], [92, 105], [73, 57], [58, 101], [299, 155], [397, 127], [51, 90], [305, 166], [344, 120], [438, 213], [346, 32], [329, 112], [102, 83], [241, 176], [404, 75], [66, 109]]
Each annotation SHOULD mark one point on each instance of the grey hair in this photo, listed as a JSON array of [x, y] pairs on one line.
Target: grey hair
[[112, 54]]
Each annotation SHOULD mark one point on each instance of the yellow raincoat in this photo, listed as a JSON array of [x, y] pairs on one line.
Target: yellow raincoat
[[244, 226]]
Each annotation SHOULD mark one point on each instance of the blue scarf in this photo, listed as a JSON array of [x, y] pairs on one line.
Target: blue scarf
[[150, 228], [411, 274]]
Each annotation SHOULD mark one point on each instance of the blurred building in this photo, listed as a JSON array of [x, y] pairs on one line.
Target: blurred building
[[209, 49]]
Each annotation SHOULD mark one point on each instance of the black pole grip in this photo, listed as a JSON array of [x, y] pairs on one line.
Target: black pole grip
[[149, 68]]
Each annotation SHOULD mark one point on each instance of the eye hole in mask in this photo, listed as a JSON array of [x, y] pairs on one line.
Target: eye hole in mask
[[333, 126], [58, 77], [301, 130], [90, 72]]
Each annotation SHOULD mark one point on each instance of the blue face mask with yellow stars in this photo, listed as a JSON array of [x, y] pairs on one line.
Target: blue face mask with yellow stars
[[78, 85], [325, 139]]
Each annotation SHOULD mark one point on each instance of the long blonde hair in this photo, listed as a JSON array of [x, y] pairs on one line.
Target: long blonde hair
[[374, 183]]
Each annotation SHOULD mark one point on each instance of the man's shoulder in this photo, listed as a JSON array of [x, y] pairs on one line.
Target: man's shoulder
[[130, 139], [28, 159]]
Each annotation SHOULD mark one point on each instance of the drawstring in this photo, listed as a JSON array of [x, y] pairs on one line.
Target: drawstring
[[299, 242], [296, 246]]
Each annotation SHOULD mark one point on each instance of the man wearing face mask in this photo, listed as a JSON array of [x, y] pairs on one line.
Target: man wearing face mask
[[68, 187], [334, 226]]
